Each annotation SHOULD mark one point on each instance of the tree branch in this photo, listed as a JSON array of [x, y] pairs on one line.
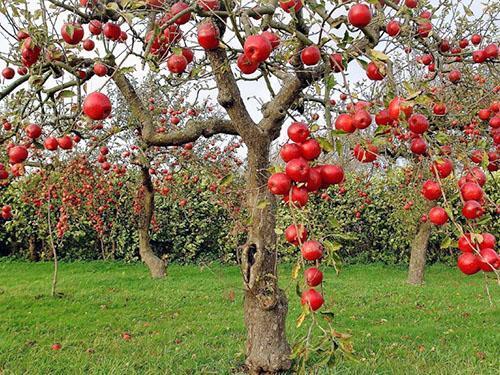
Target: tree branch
[[229, 96], [194, 129]]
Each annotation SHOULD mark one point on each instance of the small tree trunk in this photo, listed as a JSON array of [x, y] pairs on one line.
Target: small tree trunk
[[156, 266], [32, 249], [265, 304], [418, 252]]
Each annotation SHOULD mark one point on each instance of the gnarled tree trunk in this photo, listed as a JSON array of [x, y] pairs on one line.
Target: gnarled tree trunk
[[265, 305], [418, 253], [156, 266]]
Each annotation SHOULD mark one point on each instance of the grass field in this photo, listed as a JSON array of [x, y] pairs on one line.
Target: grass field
[[190, 324]]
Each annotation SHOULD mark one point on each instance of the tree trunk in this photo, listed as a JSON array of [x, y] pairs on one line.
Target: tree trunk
[[418, 252], [32, 249], [156, 266], [265, 304]]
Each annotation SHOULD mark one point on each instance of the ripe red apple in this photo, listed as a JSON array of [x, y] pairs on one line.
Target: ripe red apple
[[298, 195], [312, 250], [288, 5], [479, 56], [97, 106], [310, 55], [418, 146], [488, 259], [314, 181], [424, 29], [484, 114], [100, 69], [176, 9], [56, 346], [88, 45], [359, 15], [471, 191], [297, 169], [487, 242], [310, 149], [126, 336], [188, 54], [208, 35], [112, 31], [444, 167], [246, 65], [472, 210], [418, 123], [209, 4], [312, 298], [51, 144], [33, 131], [298, 132], [454, 76], [411, 3], [476, 175], [345, 122], [273, 38], [393, 28], [361, 119], [17, 154], [313, 276], [373, 72], [290, 151], [466, 244], [279, 184], [439, 109], [491, 51], [8, 73], [336, 62], [294, 233], [257, 48], [431, 190], [72, 33], [383, 118], [177, 63], [366, 154], [468, 263], [95, 27], [438, 216], [65, 142], [331, 174]]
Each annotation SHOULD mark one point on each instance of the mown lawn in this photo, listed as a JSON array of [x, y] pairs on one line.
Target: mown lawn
[[189, 323]]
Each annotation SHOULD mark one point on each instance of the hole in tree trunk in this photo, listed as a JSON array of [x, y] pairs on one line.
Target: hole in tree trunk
[[252, 250]]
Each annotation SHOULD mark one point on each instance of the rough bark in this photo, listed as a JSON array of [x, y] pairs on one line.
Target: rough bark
[[265, 305], [418, 253], [156, 266], [34, 255]]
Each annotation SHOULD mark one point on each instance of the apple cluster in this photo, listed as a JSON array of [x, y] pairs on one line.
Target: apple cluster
[[295, 184]]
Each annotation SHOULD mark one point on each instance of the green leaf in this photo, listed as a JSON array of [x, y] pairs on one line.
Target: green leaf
[[446, 243], [325, 144], [65, 94], [379, 55], [127, 69], [226, 180], [442, 138], [262, 204], [332, 246], [337, 132]]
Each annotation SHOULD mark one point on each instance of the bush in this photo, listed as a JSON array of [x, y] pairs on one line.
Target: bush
[[364, 223]]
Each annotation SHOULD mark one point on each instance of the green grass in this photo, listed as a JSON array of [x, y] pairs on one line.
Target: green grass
[[188, 324]]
